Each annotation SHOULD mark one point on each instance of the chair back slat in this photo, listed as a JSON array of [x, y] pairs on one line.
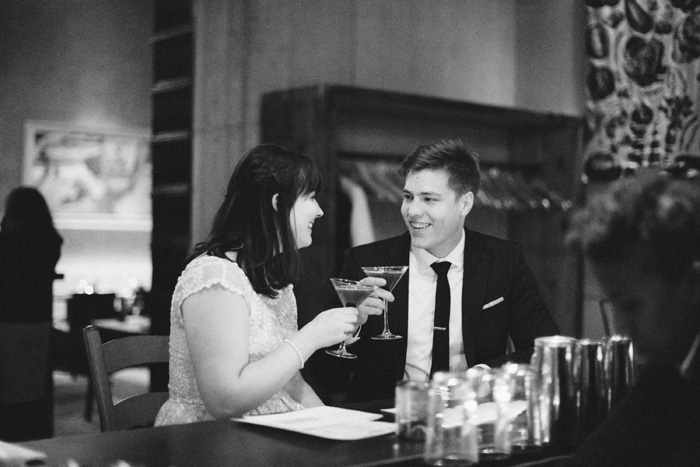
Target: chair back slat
[[105, 359], [131, 351]]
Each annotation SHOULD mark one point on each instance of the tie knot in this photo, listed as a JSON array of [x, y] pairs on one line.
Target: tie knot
[[441, 268]]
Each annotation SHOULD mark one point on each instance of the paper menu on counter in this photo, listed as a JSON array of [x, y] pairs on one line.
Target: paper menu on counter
[[326, 422]]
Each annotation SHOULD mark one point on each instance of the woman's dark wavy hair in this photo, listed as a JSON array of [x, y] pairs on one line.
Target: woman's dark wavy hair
[[28, 215], [246, 221]]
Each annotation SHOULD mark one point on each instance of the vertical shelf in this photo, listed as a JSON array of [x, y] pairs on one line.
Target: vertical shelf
[[171, 153]]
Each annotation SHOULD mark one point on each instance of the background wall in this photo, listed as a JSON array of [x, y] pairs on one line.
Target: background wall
[[550, 55], [89, 63], [82, 63], [516, 53]]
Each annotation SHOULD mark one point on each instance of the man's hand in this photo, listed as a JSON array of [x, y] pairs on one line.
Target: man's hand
[[374, 304]]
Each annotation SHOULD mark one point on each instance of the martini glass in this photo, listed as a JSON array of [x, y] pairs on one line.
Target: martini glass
[[392, 275], [351, 293]]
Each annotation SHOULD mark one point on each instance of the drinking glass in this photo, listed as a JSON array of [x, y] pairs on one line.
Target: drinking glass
[[556, 359], [450, 435], [411, 409], [517, 426], [489, 404], [392, 275], [619, 368], [351, 293], [592, 389]]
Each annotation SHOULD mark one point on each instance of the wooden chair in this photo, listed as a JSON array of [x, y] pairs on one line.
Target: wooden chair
[[105, 359], [81, 310]]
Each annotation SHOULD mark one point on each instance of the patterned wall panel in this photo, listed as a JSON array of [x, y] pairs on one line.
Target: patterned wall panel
[[642, 84]]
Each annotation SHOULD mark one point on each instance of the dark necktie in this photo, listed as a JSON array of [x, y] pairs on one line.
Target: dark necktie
[[441, 326]]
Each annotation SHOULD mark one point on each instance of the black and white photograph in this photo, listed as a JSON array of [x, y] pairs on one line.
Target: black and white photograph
[[349, 233]]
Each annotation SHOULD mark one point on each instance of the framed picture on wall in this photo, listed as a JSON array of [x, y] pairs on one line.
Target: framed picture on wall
[[91, 178]]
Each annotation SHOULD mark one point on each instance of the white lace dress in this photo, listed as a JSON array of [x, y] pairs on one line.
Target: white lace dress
[[271, 321]]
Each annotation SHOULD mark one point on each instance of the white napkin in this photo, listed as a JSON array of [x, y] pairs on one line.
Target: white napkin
[[13, 455]]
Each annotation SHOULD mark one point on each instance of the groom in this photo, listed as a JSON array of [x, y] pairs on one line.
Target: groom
[[467, 298]]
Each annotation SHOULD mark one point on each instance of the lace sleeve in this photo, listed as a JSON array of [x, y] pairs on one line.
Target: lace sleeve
[[208, 272]]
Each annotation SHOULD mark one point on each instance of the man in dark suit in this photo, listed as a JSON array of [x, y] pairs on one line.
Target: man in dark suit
[[489, 297]]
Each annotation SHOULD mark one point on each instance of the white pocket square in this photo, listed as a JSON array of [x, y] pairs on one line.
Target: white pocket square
[[493, 303]]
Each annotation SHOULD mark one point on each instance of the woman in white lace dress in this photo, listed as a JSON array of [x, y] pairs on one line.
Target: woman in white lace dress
[[234, 345]]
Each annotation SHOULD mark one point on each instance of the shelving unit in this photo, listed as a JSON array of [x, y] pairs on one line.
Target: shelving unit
[[333, 123], [171, 153]]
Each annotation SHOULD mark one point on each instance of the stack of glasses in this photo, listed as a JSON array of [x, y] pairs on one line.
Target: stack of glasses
[[486, 414]]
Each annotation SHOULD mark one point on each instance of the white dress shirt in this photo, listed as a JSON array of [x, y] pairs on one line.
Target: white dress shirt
[[421, 312]]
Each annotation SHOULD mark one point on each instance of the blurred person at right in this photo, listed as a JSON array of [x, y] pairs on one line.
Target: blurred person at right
[[641, 239]]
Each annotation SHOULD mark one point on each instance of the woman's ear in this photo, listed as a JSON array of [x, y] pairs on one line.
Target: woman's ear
[[274, 201]]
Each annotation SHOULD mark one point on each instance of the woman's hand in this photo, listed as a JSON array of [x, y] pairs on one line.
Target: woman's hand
[[331, 326]]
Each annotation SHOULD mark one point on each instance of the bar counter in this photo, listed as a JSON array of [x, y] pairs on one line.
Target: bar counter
[[231, 443], [221, 443]]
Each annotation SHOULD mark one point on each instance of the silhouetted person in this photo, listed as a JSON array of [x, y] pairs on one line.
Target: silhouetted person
[[30, 247]]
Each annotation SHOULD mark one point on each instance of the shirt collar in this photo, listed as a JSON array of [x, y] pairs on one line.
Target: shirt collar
[[425, 259]]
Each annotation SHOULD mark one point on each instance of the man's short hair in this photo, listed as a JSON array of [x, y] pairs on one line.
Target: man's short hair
[[453, 156]]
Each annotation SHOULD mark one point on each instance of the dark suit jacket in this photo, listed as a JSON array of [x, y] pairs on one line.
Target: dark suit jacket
[[493, 268]]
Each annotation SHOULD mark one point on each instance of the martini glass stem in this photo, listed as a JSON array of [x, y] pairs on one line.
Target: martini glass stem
[[386, 319], [386, 335], [392, 275]]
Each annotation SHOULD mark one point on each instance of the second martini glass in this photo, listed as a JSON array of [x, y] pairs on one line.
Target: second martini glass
[[392, 275], [351, 293]]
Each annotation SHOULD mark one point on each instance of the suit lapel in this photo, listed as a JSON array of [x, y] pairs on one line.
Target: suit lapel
[[477, 263]]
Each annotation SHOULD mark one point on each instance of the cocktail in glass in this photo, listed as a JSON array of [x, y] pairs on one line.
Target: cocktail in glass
[[392, 275], [351, 293]]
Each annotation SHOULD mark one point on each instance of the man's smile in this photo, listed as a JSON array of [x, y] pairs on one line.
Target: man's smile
[[418, 225]]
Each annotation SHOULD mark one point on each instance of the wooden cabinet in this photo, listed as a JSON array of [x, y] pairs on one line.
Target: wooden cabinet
[[340, 125], [171, 153]]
